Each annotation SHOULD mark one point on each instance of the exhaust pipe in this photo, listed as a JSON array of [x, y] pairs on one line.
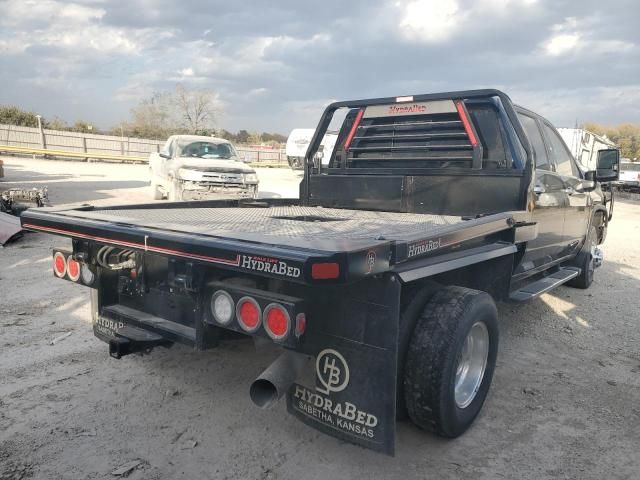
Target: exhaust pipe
[[276, 379]]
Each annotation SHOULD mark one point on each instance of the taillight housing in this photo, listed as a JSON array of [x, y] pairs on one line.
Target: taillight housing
[[74, 267], [256, 312], [249, 314], [277, 321]]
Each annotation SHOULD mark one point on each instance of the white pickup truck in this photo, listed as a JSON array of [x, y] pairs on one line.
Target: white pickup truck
[[629, 176], [192, 167]]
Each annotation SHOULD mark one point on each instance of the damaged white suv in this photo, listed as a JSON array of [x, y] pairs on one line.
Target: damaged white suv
[[192, 167]]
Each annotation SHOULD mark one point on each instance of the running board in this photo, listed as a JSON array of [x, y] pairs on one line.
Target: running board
[[537, 288]]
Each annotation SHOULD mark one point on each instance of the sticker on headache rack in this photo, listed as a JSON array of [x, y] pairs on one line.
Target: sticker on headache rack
[[414, 108], [270, 265]]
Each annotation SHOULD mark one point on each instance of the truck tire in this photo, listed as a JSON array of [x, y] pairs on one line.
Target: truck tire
[[175, 191], [156, 193], [295, 163], [450, 360], [584, 260], [411, 307]]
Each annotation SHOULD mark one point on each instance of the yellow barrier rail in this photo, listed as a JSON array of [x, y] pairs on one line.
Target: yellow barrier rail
[[66, 153]]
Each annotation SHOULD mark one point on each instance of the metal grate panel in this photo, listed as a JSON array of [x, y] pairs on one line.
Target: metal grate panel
[[286, 221]]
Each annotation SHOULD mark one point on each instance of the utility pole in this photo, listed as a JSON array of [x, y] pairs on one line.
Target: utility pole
[[43, 142]]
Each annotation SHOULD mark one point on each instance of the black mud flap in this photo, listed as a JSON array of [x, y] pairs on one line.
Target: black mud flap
[[354, 397]]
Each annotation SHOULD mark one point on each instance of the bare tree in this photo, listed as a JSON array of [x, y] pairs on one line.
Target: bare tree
[[196, 110], [180, 111], [151, 118]]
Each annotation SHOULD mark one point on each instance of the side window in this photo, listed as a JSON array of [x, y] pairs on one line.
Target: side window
[[558, 151], [490, 131], [171, 149], [535, 137]]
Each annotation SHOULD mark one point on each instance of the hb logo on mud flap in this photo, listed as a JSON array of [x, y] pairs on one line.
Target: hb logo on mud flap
[[332, 371]]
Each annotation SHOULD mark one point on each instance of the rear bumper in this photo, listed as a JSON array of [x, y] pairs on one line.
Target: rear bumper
[[629, 183], [346, 400]]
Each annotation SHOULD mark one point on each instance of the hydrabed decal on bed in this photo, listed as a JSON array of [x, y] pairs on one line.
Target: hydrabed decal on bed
[[253, 263]]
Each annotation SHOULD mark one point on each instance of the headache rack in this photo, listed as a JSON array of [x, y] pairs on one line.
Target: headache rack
[[431, 134]]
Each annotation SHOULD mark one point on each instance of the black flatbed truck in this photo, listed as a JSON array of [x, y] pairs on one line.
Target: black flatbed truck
[[379, 282]]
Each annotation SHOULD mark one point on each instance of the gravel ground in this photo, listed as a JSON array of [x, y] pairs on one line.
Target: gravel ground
[[565, 401]]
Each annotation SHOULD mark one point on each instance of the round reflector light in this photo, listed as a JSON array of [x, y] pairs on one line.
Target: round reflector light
[[73, 269], [249, 314], [301, 324], [222, 307], [87, 275], [276, 321], [59, 264]]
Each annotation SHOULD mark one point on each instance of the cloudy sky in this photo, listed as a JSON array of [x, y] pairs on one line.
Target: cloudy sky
[[275, 64]]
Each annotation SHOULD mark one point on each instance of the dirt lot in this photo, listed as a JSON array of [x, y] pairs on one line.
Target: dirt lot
[[565, 401]]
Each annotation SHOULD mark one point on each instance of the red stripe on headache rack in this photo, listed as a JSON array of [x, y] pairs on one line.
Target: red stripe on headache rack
[[466, 123], [178, 253], [354, 127]]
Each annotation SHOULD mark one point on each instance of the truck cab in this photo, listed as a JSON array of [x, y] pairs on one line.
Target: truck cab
[[566, 203]]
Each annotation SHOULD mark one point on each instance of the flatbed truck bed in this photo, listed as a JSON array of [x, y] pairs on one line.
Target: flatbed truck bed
[[379, 283], [217, 233]]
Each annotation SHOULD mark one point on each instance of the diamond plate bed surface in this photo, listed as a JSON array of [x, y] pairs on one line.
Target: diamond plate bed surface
[[283, 221]]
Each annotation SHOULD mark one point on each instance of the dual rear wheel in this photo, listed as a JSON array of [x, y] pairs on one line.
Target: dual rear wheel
[[450, 356], [450, 360]]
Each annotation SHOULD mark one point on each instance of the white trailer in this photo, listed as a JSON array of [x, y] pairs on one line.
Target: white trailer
[[584, 145], [298, 143]]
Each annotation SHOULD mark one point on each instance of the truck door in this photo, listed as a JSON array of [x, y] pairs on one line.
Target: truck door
[[578, 202], [550, 202], [157, 163]]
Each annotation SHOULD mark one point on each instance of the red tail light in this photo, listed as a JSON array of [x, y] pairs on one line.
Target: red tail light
[[466, 123], [301, 324], [276, 321], [249, 314], [353, 130], [59, 264], [73, 269], [325, 271]]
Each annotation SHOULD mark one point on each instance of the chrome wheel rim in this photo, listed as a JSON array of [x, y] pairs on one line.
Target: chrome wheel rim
[[472, 362]]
